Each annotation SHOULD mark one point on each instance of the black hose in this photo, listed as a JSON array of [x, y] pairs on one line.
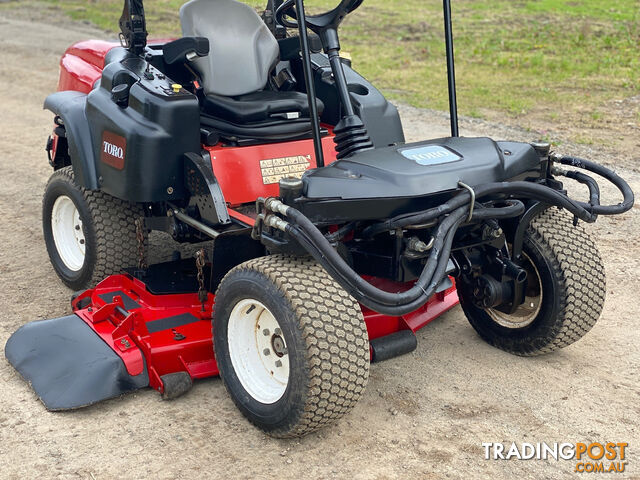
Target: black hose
[[586, 212], [352, 284], [341, 232], [454, 211], [508, 211], [520, 189], [306, 233], [594, 189], [323, 250], [613, 177]]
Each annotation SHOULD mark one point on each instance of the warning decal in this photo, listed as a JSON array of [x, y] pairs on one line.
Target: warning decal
[[273, 169]]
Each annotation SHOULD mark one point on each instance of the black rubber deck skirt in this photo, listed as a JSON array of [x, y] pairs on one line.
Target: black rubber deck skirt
[[68, 364]]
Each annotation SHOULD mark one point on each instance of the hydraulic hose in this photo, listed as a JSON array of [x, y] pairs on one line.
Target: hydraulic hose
[[452, 214], [340, 233], [587, 212], [370, 296], [305, 232], [608, 174], [592, 185]]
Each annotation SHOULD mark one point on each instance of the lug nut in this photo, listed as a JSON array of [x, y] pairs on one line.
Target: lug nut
[[266, 332], [278, 363], [266, 352]]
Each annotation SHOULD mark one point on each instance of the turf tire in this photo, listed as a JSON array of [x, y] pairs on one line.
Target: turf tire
[[325, 334], [109, 231], [573, 285]]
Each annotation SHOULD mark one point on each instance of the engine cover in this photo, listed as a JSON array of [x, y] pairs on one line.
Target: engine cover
[[422, 168]]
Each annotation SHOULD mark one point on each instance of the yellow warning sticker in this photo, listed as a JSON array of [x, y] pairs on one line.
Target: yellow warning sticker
[[273, 169]]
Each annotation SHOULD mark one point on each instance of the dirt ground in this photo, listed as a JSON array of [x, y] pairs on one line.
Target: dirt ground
[[424, 415]]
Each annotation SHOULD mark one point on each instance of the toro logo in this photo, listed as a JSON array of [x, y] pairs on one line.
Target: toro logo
[[113, 150], [430, 155]]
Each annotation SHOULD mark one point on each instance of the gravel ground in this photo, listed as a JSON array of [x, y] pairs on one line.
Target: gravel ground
[[424, 415]]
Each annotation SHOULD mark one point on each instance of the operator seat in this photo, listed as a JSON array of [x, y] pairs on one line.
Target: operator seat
[[243, 53]]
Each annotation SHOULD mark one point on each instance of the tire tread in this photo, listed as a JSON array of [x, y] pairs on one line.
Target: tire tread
[[113, 222], [575, 258], [335, 335]]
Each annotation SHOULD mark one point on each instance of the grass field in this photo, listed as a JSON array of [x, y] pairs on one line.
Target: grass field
[[532, 61]]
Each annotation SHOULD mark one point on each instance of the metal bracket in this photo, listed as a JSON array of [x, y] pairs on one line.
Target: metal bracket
[[525, 220], [205, 189], [473, 199]]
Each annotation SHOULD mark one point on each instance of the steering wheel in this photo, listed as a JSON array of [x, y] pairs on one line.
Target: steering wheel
[[316, 23]]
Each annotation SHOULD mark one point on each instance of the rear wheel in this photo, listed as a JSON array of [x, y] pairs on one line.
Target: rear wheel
[[565, 290], [88, 234], [291, 344]]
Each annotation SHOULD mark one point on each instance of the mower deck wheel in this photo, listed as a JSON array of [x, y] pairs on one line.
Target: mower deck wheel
[[291, 344], [565, 290], [89, 234]]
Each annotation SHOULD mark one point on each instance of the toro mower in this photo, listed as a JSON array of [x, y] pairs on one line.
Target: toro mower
[[329, 240]]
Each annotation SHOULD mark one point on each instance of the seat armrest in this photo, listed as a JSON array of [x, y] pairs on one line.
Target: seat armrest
[[290, 46], [185, 49]]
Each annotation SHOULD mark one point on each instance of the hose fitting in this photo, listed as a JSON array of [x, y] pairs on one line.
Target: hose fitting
[[276, 222], [276, 206]]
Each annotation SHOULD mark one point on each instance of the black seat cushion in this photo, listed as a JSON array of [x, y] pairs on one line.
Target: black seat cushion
[[257, 107], [265, 132]]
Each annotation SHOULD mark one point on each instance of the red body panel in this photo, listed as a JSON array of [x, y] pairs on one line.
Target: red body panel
[[82, 65], [246, 173], [379, 325]]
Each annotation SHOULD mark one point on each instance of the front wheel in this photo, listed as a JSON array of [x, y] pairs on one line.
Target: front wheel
[[565, 290], [291, 344], [88, 234]]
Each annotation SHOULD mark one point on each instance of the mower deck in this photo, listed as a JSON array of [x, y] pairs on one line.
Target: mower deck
[[157, 327]]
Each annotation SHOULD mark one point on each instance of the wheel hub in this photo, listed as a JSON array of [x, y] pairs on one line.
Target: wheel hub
[[258, 351], [527, 312], [278, 346], [68, 233]]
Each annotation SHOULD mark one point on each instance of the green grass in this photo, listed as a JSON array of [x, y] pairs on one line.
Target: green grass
[[517, 58]]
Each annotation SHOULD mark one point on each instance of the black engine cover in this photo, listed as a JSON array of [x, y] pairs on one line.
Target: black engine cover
[[421, 169]]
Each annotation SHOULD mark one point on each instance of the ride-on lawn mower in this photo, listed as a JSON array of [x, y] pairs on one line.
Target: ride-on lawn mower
[[331, 239]]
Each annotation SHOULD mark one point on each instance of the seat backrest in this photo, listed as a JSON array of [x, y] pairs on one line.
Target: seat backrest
[[242, 49]]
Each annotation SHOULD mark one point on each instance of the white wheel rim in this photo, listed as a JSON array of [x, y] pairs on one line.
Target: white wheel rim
[[258, 351], [68, 234]]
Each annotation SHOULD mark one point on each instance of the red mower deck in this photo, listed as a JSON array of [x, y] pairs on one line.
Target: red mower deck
[[172, 333]]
